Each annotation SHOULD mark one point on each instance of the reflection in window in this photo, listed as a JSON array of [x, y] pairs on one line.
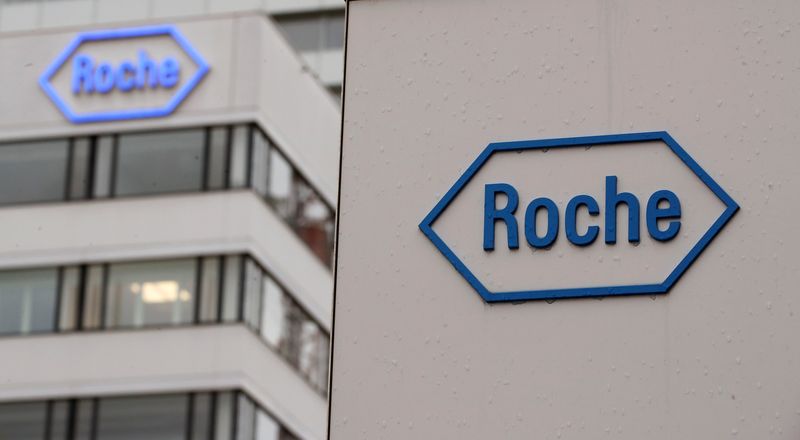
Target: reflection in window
[[160, 162], [154, 293], [313, 220], [280, 184], [33, 171], [28, 300]]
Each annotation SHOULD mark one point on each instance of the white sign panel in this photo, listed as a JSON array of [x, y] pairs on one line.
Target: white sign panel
[[568, 221]]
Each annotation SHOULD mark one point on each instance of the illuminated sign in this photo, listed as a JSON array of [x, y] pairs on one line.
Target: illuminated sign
[[108, 75]]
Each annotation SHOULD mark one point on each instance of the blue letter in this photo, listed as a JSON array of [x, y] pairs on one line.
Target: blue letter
[[552, 223], [169, 74], [125, 76], [104, 78], [571, 221], [654, 213], [612, 200], [491, 214], [146, 72], [82, 67]]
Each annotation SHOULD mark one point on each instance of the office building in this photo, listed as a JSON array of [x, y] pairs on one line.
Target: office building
[[168, 177]]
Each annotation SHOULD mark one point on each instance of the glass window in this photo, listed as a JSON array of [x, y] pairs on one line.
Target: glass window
[[253, 285], [224, 416], [273, 314], [93, 296], [83, 419], [59, 420], [23, 421], [237, 172], [152, 293], [246, 417], [231, 294], [28, 300], [169, 161], [304, 32], [280, 184], [103, 156], [33, 171], [209, 289], [202, 420], [218, 157], [313, 220], [79, 169], [266, 427], [334, 31], [70, 292], [151, 417], [258, 167]]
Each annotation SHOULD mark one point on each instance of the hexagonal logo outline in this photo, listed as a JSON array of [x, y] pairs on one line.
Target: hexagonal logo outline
[[731, 207], [116, 34]]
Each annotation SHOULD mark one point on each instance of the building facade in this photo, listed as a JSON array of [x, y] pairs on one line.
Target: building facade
[[168, 175]]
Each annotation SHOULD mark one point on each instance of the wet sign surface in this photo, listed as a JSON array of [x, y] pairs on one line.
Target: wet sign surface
[[516, 199]]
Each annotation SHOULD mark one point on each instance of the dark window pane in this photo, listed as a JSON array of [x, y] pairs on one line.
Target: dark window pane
[[153, 293], [23, 421], [202, 417], [246, 417], [160, 162], [33, 171], [209, 290], [79, 169], [217, 157], [334, 31], [304, 32], [144, 417], [27, 300], [104, 148], [258, 170], [280, 184], [59, 420], [231, 292], [223, 419]]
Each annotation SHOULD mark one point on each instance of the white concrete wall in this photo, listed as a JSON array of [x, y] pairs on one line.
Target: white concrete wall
[[418, 354], [108, 363]]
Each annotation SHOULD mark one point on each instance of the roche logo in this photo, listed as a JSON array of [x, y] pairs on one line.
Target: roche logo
[[635, 210], [107, 75]]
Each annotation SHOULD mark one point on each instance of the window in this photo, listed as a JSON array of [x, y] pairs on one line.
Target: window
[[168, 161], [199, 159], [23, 421], [176, 416], [33, 171], [28, 301], [152, 417], [313, 220], [313, 32], [157, 293], [209, 289]]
